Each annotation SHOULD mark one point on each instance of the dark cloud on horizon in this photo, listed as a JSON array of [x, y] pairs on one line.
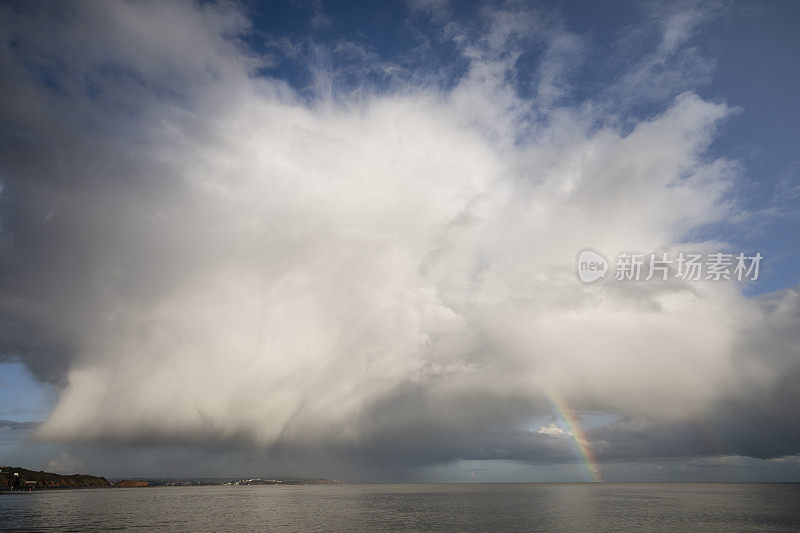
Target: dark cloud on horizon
[[15, 424]]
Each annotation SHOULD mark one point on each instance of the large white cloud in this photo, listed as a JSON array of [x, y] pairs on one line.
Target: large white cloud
[[199, 254]]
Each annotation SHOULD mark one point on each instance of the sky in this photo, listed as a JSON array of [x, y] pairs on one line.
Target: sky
[[339, 239]]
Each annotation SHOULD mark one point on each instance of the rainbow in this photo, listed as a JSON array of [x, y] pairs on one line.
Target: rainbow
[[581, 444]]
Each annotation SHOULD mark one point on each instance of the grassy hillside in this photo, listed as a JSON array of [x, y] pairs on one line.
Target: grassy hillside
[[47, 480]]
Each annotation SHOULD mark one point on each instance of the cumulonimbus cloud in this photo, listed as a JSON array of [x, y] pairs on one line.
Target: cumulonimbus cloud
[[198, 253]]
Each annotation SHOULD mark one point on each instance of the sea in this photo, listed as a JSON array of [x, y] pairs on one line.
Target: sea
[[668, 507]]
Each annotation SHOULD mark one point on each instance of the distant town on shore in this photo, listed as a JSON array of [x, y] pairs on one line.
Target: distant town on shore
[[15, 478]]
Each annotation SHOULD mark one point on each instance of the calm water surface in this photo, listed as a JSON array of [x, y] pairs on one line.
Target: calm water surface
[[473, 507]]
